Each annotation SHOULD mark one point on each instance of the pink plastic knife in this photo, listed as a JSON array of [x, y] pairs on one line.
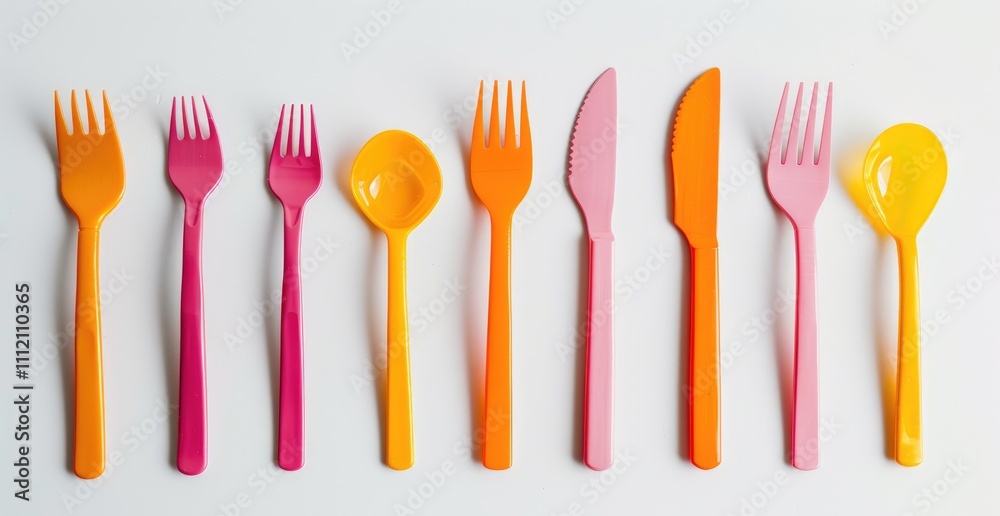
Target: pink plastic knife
[[592, 181]]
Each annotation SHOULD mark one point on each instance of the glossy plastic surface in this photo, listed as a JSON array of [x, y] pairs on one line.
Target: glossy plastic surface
[[294, 176], [695, 163], [593, 151], [798, 183], [92, 181], [904, 200], [501, 176], [397, 182], [194, 163]]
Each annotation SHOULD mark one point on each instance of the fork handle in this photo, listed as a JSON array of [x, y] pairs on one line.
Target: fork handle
[[805, 408], [290, 404], [89, 452], [703, 373], [598, 412], [909, 444], [497, 425], [192, 442]]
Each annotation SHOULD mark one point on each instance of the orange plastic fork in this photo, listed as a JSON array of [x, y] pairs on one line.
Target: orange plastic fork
[[92, 181], [501, 176]]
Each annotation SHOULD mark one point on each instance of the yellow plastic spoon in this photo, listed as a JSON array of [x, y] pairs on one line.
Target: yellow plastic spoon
[[396, 182], [918, 170]]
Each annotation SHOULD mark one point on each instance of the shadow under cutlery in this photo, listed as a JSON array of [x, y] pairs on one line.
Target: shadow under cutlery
[[169, 289], [684, 317]]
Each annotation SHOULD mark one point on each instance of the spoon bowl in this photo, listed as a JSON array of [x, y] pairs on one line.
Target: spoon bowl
[[396, 181], [917, 172]]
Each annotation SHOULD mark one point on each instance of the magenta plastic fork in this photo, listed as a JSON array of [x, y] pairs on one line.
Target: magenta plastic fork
[[195, 166], [798, 185], [294, 178]]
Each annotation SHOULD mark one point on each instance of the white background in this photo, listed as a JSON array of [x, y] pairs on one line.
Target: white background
[[939, 67]]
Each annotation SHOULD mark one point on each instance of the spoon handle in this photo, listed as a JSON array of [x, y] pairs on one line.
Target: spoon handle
[[805, 411], [497, 421], [703, 376], [399, 413], [290, 400], [909, 445]]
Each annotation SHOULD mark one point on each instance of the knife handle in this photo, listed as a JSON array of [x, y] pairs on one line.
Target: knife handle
[[598, 411], [703, 375]]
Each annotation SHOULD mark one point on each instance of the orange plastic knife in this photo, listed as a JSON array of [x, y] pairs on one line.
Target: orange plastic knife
[[694, 159]]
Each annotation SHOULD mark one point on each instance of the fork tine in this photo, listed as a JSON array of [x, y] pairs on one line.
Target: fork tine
[[197, 121], [184, 117], [509, 138], [173, 119], [291, 127], [477, 124], [525, 127], [313, 143], [494, 136], [60, 121], [276, 148], [302, 131], [77, 123], [807, 142], [792, 150], [91, 115], [775, 151], [211, 121], [824, 141], [109, 120]]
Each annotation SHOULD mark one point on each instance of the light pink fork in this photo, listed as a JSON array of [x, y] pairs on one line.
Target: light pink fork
[[294, 178], [194, 163], [798, 185]]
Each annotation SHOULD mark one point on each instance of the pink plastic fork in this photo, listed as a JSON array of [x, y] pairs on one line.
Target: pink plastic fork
[[798, 185], [195, 166], [294, 178]]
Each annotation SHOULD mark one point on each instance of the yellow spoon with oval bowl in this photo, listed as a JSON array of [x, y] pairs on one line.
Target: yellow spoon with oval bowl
[[918, 169], [396, 182]]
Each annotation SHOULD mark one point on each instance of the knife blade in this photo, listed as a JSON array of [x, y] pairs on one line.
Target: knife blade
[[695, 164], [593, 150]]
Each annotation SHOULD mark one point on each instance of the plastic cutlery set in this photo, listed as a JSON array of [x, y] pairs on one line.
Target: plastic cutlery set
[[396, 182]]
